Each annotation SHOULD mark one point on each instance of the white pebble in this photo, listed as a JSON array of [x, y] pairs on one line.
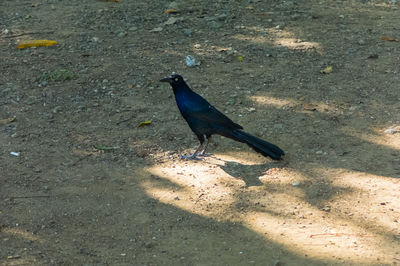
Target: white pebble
[[296, 184]]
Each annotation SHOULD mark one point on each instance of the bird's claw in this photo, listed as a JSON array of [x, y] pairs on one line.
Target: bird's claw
[[202, 154], [191, 157]]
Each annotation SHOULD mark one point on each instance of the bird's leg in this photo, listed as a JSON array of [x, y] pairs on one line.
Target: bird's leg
[[194, 155], [203, 151]]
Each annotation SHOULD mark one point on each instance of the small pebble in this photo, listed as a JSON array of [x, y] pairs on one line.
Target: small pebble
[[296, 184], [191, 61], [13, 153], [214, 25], [392, 130], [326, 209], [158, 29], [171, 20], [121, 34]]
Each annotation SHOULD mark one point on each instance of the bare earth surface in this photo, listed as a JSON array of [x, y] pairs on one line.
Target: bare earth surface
[[90, 187]]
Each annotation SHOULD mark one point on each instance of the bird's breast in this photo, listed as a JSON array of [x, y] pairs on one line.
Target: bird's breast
[[181, 101]]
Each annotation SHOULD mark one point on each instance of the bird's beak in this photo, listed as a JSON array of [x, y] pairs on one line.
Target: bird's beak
[[167, 79]]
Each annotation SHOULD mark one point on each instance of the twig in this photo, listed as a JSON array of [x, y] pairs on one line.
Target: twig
[[198, 199], [28, 197], [27, 33], [80, 159], [124, 120]]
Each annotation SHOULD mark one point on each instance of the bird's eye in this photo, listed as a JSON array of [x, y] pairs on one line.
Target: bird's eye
[[176, 79]]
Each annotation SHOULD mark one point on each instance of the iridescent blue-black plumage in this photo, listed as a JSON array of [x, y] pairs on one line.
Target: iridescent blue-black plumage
[[205, 120]]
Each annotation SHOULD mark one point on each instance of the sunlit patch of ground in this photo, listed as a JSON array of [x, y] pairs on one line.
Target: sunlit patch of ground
[[336, 228]]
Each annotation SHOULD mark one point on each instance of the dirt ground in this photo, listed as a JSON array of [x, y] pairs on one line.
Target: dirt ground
[[82, 184]]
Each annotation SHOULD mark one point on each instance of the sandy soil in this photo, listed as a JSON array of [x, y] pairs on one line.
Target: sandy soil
[[90, 187]]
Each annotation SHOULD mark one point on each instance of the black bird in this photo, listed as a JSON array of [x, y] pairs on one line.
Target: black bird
[[205, 120]]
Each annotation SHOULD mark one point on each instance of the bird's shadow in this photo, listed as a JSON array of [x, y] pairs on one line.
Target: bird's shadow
[[248, 173]]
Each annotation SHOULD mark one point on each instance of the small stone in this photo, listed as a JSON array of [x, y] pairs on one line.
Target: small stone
[[278, 126], [133, 28], [392, 130], [326, 208], [121, 34], [187, 32], [191, 61], [296, 184], [158, 29], [171, 20], [56, 109], [44, 83], [213, 24], [319, 152]]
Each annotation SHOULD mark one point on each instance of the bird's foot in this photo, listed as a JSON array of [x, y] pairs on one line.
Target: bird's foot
[[202, 154], [191, 157]]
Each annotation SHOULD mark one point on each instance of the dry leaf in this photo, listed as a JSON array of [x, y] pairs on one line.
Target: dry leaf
[[158, 29], [327, 70], [144, 123], [36, 43], [7, 120], [170, 11], [171, 21], [389, 39]]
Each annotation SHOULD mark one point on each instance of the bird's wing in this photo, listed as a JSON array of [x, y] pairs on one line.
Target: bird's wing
[[203, 111]]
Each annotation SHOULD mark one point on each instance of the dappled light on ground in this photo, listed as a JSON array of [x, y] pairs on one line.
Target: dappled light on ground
[[272, 101], [278, 37], [280, 211], [376, 137], [297, 105], [20, 233], [91, 187]]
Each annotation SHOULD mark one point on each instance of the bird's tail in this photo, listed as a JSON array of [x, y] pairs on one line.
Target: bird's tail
[[259, 145]]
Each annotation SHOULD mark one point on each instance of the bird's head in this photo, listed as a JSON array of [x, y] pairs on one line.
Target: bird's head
[[173, 79]]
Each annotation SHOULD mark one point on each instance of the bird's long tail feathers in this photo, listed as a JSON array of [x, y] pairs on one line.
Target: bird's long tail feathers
[[259, 145]]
